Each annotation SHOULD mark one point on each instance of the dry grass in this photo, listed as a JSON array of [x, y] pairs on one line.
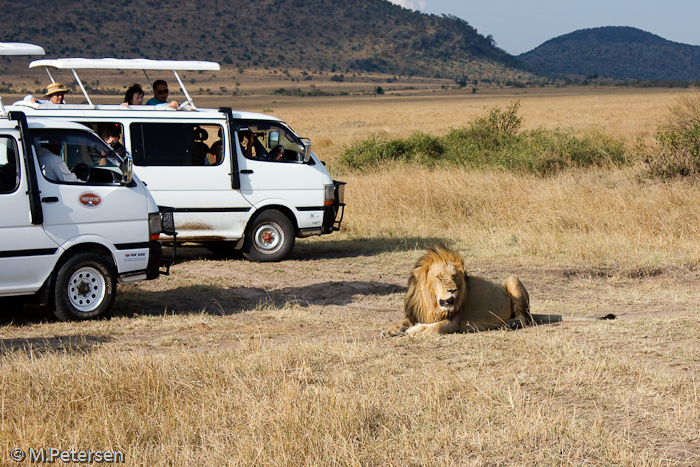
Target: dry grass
[[537, 397], [235, 363], [594, 218]]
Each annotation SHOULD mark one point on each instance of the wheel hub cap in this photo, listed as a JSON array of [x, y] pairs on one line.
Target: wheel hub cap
[[86, 289], [269, 237]]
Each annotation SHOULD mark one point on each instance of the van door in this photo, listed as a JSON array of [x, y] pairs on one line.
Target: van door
[[187, 166], [273, 171], [96, 204], [27, 254]]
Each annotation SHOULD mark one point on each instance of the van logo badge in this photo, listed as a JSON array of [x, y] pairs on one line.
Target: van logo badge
[[90, 200]]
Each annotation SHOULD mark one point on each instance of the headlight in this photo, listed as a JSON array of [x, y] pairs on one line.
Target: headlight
[[329, 197], [154, 225]]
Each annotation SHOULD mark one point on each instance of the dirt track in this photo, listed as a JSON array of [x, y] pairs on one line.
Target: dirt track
[[345, 289]]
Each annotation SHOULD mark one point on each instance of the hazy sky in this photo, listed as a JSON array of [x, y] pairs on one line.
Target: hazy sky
[[519, 26]]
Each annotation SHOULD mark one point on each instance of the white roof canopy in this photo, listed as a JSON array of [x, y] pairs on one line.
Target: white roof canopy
[[20, 48], [124, 64]]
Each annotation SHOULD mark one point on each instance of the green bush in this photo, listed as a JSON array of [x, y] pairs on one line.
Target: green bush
[[491, 141], [374, 151], [677, 148]]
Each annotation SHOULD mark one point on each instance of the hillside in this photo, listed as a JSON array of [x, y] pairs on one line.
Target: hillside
[[312, 35], [615, 52]]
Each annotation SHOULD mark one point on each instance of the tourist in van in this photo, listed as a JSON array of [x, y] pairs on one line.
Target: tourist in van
[[52, 166], [161, 91], [134, 95], [54, 95], [112, 135]]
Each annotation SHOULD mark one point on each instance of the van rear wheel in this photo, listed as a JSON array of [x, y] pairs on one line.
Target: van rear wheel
[[85, 287], [269, 237]]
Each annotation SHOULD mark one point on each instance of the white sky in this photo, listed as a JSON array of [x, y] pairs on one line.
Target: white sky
[[519, 26]]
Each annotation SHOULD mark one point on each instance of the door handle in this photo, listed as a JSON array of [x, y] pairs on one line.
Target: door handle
[[246, 171], [50, 199]]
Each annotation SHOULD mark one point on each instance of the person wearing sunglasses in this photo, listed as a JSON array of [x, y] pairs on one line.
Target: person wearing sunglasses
[[161, 91]]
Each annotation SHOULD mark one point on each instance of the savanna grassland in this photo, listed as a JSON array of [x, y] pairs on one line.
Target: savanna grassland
[[227, 362]]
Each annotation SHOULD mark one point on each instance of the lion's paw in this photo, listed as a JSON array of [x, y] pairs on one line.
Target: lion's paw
[[393, 332], [415, 329]]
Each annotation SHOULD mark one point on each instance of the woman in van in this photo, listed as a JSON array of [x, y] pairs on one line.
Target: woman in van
[[134, 95]]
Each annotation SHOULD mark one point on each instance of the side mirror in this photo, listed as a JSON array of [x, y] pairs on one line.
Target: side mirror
[[307, 149], [126, 165]]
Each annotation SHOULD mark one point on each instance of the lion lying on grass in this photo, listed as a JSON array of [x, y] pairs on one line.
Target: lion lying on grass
[[442, 298]]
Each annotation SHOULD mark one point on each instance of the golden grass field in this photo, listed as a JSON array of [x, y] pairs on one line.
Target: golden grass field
[[227, 362]]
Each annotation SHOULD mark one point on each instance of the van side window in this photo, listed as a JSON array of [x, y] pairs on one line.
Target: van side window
[[9, 165], [176, 144], [265, 141]]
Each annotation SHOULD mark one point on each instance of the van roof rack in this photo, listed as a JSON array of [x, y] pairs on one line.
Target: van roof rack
[[125, 64], [18, 48]]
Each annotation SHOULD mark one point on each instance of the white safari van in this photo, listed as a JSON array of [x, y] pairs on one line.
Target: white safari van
[[236, 180], [67, 238], [64, 239]]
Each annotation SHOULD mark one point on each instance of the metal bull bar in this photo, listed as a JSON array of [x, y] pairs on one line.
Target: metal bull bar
[[167, 227]]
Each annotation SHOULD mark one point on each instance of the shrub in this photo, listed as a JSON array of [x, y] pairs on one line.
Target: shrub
[[491, 141], [375, 151], [677, 148]]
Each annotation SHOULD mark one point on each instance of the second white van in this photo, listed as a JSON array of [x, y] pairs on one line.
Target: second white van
[[236, 180]]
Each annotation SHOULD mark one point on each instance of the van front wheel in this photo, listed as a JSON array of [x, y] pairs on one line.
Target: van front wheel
[[269, 237], [85, 287]]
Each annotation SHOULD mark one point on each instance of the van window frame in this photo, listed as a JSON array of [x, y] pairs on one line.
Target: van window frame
[[4, 174]]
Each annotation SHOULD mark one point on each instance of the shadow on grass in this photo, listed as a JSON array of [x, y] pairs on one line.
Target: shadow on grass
[[326, 247], [219, 301], [39, 346], [222, 301]]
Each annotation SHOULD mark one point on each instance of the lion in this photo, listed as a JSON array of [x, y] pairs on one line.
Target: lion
[[442, 298]]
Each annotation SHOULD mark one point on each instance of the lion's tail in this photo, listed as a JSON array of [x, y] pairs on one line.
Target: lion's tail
[[547, 319]]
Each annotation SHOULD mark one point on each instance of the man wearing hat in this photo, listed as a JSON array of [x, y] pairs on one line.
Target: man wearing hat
[[54, 95]]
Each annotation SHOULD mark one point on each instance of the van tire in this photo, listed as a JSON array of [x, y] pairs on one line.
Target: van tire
[[85, 287], [269, 237]]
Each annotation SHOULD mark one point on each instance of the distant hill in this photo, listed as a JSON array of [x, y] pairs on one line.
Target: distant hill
[[326, 35], [615, 52]]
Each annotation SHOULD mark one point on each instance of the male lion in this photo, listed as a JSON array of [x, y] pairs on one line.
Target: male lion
[[442, 298]]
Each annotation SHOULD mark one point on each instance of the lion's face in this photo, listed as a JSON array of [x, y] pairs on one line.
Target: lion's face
[[436, 287], [446, 279]]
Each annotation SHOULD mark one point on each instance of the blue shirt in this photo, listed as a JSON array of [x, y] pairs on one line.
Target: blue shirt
[[154, 101]]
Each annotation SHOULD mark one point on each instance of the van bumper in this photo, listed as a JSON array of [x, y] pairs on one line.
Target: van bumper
[[155, 259]]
